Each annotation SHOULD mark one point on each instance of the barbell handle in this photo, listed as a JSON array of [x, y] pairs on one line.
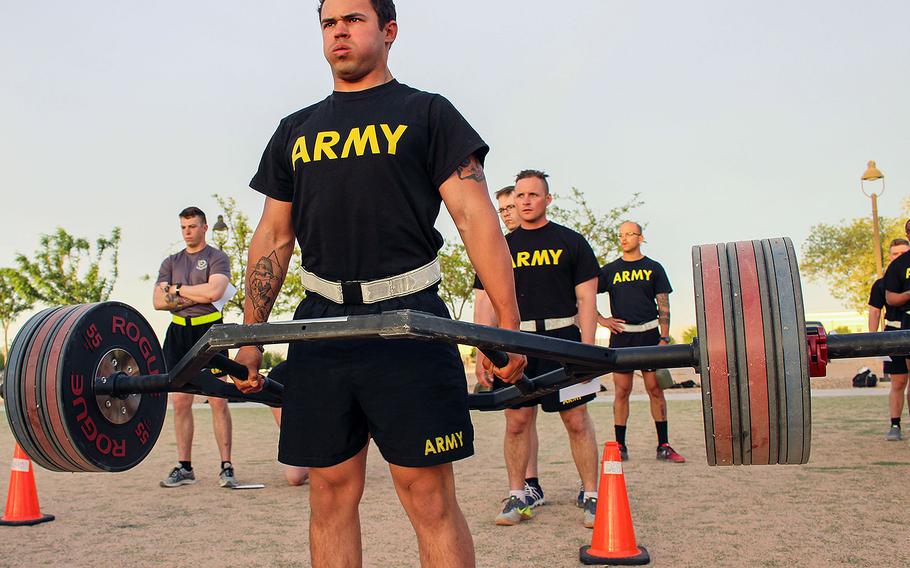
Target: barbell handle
[[501, 359], [236, 369]]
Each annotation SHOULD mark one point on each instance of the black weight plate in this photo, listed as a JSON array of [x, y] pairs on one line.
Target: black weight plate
[[32, 399], [732, 371], [103, 329], [13, 389], [794, 366], [47, 386], [740, 358], [781, 382], [804, 351], [704, 363]]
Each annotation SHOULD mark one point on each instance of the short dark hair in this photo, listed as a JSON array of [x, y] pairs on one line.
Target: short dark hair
[[191, 212], [507, 190], [542, 176], [899, 242], [385, 10]]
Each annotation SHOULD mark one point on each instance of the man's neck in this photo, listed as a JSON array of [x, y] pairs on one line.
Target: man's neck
[[195, 249], [632, 256], [536, 223], [379, 76]]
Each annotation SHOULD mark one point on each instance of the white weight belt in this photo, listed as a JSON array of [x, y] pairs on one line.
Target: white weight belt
[[548, 324], [893, 324], [647, 326], [374, 290]]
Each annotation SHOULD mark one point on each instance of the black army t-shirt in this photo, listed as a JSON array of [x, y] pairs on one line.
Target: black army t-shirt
[[548, 263], [363, 171], [897, 279], [877, 300], [633, 287]]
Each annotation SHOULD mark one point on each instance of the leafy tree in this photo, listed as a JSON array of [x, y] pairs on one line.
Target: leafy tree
[[270, 359], [457, 286], [235, 242], [841, 256], [65, 270], [689, 334], [12, 305], [600, 229]]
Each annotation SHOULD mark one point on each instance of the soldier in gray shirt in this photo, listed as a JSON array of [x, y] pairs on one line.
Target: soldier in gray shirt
[[188, 282]]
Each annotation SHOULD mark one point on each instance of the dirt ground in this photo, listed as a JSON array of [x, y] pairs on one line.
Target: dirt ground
[[842, 509]]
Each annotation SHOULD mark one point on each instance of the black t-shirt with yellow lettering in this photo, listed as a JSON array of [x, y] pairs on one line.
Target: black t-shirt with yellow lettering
[[877, 300], [633, 288], [548, 263], [897, 279], [363, 171]]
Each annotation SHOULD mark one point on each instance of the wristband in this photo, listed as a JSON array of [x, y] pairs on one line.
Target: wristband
[[665, 339], [178, 290]]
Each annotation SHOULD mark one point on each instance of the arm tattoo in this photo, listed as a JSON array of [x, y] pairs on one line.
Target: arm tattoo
[[471, 169], [663, 310], [264, 284], [176, 303]]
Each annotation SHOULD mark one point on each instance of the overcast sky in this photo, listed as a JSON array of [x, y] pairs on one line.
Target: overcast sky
[[732, 121]]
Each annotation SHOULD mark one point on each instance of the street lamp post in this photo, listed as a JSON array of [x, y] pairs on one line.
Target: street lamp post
[[220, 232], [873, 174]]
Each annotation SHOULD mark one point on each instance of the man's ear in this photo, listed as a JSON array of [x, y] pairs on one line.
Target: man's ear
[[391, 33]]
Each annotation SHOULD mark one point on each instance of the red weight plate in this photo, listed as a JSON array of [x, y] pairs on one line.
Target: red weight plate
[[755, 353], [718, 373], [50, 387], [32, 403]]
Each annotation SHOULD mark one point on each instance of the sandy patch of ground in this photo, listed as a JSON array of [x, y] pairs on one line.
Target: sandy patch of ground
[[839, 510]]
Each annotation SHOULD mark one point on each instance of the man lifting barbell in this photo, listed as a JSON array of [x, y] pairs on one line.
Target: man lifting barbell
[[357, 180]]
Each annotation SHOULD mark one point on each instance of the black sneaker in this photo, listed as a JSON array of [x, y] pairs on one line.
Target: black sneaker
[[535, 494], [623, 452]]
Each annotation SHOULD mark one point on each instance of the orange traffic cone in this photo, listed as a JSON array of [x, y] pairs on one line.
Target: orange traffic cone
[[613, 542], [22, 502]]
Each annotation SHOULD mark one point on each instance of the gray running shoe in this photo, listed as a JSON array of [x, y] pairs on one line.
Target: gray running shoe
[[226, 479], [178, 477], [535, 495], [514, 512], [590, 511], [894, 434]]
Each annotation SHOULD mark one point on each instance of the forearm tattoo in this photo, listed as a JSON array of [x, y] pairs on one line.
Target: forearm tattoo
[[265, 281], [176, 303], [471, 169], [663, 311]]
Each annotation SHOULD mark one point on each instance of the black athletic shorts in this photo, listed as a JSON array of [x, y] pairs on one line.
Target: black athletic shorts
[[410, 395], [181, 338], [635, 339], [898, 363], [537, 367]]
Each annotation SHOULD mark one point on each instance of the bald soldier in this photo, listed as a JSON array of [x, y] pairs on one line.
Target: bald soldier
[[640, 316]]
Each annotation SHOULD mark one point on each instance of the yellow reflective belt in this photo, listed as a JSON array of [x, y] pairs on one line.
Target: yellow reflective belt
[[198, 320]]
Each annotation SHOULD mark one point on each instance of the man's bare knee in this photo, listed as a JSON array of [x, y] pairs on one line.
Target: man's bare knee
[[899, 382], [518, 421], [576, 420], [182, 402], [654, 391]]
